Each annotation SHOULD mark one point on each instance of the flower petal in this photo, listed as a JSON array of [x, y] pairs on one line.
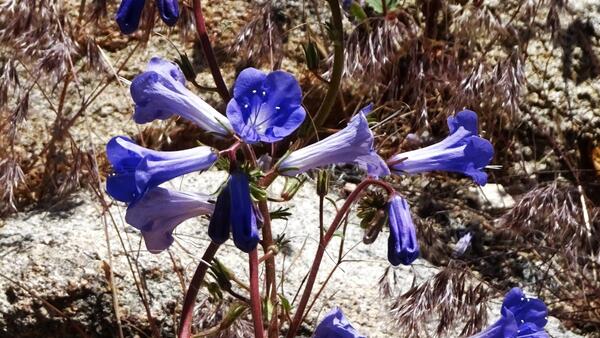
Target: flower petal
[[336, 325], [466, 119], [137, 169]]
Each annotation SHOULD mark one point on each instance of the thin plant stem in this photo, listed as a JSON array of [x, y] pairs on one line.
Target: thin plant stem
[[314, 270], [185, 325], [255, 299], [271, 283], [338, 64], [208, 51]]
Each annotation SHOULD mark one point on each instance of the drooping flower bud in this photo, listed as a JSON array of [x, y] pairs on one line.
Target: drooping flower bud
[[403, 247], [220, 222], [128, 15], [243, 220]]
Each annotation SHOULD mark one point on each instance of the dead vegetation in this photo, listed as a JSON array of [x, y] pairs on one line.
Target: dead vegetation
[[424, 62]]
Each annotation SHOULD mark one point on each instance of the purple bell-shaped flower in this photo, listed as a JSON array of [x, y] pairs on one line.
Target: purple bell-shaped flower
[[353, 144], [463, 151], [160, 210], [138, 169], [520, 317], [160, 93]]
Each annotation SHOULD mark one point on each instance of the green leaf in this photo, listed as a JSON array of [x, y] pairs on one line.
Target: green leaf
[[280, 213], [358, 12], [285, 303], [312, 56], [377, 5]]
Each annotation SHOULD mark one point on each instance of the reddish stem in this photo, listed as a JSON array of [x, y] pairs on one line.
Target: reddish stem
[[185, 325], [255, 299], [209, 53], [314, 270]]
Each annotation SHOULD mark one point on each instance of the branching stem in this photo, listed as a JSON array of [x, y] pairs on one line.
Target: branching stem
[[314, 270]]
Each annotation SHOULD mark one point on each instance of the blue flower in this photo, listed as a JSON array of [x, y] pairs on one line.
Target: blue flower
[[160, 93], [335, 325], [137, 169], [130, 11], [353, 144], [265, 107], [242, 217], [462, 151], [403, 247], [521, 317], [220, 222], [160, 210]]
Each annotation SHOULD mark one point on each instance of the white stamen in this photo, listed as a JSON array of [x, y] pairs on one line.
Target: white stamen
[[277, 107], [253, 91], [264, 93], [246, 105]]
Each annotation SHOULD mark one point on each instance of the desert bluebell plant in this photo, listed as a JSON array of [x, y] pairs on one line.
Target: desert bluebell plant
[[265, 108], [336, 325], [130, 11], [521, 317]]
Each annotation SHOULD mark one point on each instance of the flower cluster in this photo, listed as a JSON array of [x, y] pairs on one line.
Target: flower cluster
[[264, 108]]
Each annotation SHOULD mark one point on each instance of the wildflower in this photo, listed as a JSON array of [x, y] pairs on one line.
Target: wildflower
[[220, 222], [130, 11], [160, 92], [463, 244], [462, 151], [351, 144], [265, 107], [336, 325], [138, 169], [521, 317], [243, 219], [160, 210], [403, 247]]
